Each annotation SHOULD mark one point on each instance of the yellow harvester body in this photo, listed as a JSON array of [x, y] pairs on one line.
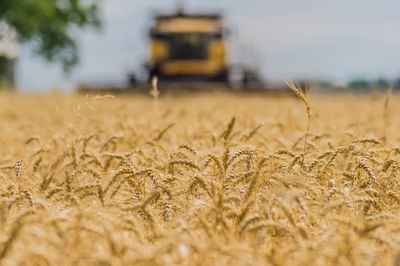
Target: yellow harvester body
[[188, 47]]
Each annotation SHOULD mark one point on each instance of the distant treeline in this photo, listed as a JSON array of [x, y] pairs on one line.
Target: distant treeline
[[360, 85]]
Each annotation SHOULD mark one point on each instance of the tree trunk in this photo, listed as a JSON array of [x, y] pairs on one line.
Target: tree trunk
[[7, 73]]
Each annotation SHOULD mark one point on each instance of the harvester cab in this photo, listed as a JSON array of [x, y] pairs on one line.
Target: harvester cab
[[188, 47]]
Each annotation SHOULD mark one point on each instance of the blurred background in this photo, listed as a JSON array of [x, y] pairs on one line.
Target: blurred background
[[339, 42]]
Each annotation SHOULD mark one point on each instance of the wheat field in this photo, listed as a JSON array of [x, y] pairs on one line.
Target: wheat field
[[204, 179]]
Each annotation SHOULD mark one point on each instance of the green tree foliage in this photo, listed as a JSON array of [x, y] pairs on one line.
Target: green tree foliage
[[359, 84], [51, 25]]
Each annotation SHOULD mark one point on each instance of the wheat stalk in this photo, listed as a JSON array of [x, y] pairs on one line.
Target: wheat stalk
[[304, 100], [386, 113], [154, 92]]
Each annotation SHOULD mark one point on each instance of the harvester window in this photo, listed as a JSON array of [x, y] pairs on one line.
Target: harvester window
[[189, 46]]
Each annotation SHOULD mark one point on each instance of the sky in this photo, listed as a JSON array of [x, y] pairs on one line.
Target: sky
[[333, 40]]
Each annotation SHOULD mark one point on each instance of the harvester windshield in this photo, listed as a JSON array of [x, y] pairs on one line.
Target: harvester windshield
[[189, 46]]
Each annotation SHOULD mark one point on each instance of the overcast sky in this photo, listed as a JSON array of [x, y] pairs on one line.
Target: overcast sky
[[336, 40]]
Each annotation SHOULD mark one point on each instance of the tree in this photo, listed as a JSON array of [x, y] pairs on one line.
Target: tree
[[51, 25], [382, 83], [396, 84], [359, 84]]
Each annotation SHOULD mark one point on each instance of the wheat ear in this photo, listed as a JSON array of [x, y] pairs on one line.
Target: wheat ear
[[306, 103]]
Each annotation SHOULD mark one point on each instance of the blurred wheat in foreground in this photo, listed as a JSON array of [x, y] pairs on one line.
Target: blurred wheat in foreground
[[199, 180]]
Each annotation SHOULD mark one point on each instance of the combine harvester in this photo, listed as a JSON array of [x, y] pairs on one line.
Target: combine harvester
[[190, 52]]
